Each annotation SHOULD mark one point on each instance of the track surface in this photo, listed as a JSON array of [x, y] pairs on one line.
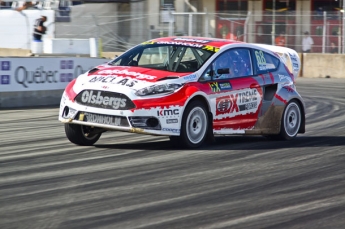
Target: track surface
[[139, 181]]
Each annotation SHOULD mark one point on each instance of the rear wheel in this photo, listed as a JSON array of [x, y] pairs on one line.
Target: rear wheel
[[291, 121], [82, 135], [194, 126]]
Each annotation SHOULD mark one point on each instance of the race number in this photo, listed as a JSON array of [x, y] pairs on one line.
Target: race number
[[260, 60]]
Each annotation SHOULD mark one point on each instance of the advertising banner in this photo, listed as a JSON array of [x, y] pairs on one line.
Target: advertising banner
[[35, 73]]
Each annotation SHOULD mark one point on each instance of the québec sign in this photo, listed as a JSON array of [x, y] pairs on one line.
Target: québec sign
[[46, 73]]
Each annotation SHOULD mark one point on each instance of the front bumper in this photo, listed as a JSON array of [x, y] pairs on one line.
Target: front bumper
[[133, 121]]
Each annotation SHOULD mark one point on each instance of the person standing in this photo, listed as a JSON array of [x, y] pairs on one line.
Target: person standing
[[39, 28], [280, 40], [307, 43], [334, 48]]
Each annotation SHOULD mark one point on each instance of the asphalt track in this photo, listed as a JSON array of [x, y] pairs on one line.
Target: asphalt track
[[140, 181]]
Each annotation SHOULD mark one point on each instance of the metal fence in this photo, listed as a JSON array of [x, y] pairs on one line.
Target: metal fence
[[120, 30], [120, 26]]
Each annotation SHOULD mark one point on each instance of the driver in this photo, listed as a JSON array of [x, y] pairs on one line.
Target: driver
[[223, 62]]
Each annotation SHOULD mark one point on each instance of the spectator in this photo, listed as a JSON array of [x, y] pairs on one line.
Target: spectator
[[26, 5], [39, 28], [280, 40], [334, 48], [307, 43]]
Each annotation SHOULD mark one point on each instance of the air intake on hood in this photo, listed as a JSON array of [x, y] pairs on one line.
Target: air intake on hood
[[168, 78], [93, 70]]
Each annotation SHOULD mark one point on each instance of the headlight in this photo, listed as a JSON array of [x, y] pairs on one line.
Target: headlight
[[158, 89]]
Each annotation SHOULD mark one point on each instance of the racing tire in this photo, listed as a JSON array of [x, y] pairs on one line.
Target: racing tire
[[291, 121], [81, 135], [194, 126]]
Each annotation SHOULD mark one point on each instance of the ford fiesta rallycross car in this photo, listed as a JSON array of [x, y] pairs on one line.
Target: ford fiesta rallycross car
[[190, 89]]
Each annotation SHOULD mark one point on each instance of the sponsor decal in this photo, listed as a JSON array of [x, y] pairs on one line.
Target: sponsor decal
[[227, 104], [225, 86], [214, 86], [24, 77], [5, 79], [179, 43], [190, 77], [170, 121], [168, 112], [127, 73], [113, 80], [237, 103], [102, 119], [282, 77], [66, 64], [211, 48], [223, 104], [171, 130], [294, 60], [5, 65], [173, 43], [88, 97], [217, 87], [192, 40], [293, 57]]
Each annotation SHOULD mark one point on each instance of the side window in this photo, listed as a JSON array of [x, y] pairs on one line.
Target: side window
[[241, 63], [230, 64], [265, 62]]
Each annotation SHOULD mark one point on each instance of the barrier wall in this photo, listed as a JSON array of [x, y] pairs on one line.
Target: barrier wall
[[323, 65], [37, 81], [34, 81]]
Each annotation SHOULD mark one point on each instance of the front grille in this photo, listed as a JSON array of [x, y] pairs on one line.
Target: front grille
[[104, 99]]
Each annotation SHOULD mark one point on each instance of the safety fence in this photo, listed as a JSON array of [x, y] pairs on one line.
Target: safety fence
[[118, 27], [121, 30]]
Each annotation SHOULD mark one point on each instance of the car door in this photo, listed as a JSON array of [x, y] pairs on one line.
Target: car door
[[235, 95], [266, 66]]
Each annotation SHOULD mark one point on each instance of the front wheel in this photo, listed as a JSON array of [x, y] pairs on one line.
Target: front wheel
[[82, 135], [194, 125], [291, 121]]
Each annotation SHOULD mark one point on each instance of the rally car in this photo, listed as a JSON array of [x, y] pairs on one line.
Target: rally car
[[190, 89]]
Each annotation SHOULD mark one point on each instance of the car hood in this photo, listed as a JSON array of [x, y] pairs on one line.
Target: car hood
[[127, 79]]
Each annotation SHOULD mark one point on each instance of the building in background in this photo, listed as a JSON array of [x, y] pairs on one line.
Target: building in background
[[119, 24]]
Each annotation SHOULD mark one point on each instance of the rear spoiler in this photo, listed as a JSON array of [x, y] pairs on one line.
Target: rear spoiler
[[289, 56]]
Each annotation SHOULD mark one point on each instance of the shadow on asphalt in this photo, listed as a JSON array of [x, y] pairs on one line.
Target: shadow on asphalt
[[238, 143]]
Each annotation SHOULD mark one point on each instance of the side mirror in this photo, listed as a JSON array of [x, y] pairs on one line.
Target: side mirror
[[223, 71]]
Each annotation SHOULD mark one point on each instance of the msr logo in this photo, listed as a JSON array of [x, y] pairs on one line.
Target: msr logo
[[227, 104], [168, 112]]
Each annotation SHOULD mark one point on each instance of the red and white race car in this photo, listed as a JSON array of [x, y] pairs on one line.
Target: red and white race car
[[188, 88]]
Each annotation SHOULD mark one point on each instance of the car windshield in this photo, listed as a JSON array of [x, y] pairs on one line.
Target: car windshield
[[166, 57]]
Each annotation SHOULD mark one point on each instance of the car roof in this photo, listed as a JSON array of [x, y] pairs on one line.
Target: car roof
[[214, 42]]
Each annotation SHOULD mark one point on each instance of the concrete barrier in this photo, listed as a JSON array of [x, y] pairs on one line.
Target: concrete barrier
[[318, 65], [6, 52], [30, 98]]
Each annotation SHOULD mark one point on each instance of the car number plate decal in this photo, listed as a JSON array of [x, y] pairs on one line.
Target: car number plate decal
[[102, 119]]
